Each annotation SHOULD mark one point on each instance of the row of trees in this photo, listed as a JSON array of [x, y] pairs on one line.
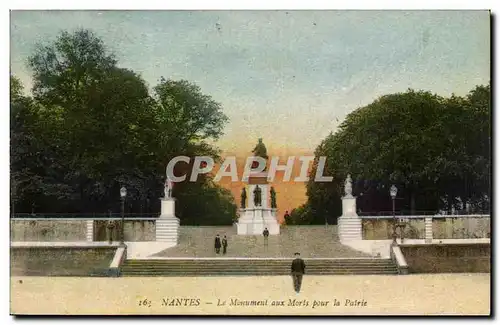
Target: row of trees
[[91, 127], [436, 150]]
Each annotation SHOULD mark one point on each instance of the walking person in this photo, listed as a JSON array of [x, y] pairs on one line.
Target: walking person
[[217, 244], [265, 233], [110, 226], [224, 245], [298, 270]]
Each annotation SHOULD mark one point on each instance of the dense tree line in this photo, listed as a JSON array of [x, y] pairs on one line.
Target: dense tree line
[[91, 127], [436, 150]]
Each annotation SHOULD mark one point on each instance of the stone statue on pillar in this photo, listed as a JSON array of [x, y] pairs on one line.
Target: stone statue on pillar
[[348, 186], [273, 198], [257, 196], [243, 198], [169, 185], [260, 151]]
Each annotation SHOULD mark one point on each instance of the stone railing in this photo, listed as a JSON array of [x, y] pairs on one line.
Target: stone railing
[[427, 227], [82, 228], [399, 259]]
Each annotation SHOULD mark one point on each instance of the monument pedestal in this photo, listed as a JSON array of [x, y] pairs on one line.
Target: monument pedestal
[[167, 225], [254, 219]]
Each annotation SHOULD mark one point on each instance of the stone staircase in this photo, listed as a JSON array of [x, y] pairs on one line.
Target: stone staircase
[[310, 241], [350, 228], [254, 267], [167, 229]]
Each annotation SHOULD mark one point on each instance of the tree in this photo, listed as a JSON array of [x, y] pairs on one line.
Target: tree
[[434, 149], [94, 127], [63, 70], [300, 216]]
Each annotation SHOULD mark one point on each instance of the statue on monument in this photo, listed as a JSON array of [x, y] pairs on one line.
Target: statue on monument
[[348, 186], [273, 198], [168, 187], [260, 151], [257, 196], [243, 198]]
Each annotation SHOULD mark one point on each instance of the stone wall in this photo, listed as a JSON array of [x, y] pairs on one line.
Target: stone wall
[[61, 261], [48, 230], [376, 229], [140, 230], [447, 258], [76, 230], [461, 227], [442, 228]]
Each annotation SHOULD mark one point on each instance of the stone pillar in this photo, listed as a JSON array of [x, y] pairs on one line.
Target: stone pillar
[[167, 225], [349, 224], [428, 229], [349, 206], [90, 230]]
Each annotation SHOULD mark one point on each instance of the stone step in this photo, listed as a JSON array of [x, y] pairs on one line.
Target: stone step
[[229, 264], [253, 269], [255, 273], [255, 263], [186, 267]]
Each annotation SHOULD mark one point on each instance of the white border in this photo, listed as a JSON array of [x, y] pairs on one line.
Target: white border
[[249, 4], [186, 4]]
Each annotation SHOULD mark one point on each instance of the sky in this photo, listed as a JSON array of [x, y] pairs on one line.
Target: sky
[[289, 77]]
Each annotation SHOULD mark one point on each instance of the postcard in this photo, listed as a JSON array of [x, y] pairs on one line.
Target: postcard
[[286, 162]]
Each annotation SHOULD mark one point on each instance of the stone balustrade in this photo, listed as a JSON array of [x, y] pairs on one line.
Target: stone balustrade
[[427, 227], [86, 229]]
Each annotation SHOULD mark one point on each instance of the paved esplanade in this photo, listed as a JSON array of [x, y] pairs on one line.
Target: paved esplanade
[[418, 294], [310, 241]]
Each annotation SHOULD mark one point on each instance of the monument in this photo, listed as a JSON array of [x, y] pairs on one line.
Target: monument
[[167, 225], [349, 224], [258, 214]]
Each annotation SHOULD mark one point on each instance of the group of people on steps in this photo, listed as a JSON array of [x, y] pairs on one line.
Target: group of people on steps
[[298, 267], [223, 243]]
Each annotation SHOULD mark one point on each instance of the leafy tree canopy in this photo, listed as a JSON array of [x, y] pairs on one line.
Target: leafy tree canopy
[[92, 127]]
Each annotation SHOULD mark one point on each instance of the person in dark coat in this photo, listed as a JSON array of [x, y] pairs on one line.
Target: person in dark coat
[[217, 244], [224, 245], [265, 233], [298, 271]]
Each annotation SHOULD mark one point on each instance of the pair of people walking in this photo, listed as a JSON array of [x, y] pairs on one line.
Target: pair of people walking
[[220, 243]]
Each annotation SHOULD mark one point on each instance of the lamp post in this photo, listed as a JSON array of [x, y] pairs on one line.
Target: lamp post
[[394, 191], [123, 194]]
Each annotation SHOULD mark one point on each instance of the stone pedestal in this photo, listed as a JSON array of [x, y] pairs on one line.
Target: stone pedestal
[[349, 206], [167, 207], [254, 219], [167, 225], [349, 224]]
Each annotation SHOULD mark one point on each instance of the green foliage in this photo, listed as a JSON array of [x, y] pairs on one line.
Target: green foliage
[[300, 216], [209, 204], [93, 127], [433, 149]]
